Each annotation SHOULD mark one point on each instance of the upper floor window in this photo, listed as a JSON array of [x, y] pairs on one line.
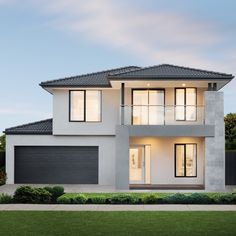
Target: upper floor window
[[186, 104], [85, 105]]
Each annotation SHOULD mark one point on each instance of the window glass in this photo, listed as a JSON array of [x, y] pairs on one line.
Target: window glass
[[77, 105], [140, 107], [140, 97], [180, 104], [179, 160], [191, 97], [191, 154], [186, 108], [93, 105]]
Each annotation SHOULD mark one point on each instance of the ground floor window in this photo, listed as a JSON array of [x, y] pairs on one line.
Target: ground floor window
[[186, 160]]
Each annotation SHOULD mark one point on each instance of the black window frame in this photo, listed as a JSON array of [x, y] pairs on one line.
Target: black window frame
[[185, 103], [84, 120], [185, 176]]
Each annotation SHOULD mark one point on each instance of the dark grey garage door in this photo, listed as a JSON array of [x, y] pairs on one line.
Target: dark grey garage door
[[56, 165]]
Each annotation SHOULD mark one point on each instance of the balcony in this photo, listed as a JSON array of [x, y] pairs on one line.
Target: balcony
[[162, 115]]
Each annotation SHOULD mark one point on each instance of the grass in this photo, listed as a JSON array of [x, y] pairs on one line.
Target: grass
[[118, 223]]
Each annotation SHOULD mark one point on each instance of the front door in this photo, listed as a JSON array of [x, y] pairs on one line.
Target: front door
[[136, 165]]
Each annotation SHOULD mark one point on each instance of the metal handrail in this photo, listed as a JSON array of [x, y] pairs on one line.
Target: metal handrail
[[163, 105], [127, 111]]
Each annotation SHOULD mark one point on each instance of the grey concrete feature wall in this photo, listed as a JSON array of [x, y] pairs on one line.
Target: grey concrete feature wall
[[215, 146], [106, 144]]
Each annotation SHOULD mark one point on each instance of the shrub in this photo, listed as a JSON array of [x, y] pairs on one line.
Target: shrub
[[227, 198], [3, 176], [5, 198], [97, 200], [80, 199], [124, 199], [176, 198], [27, 194], [150, 199], [199, 198], [64, 200], [56, 192]]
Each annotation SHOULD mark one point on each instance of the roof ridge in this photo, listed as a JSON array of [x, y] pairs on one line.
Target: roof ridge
[[139, 69], [172, 65], [195, 69], [86, 74], [30, 123], [120, 73]]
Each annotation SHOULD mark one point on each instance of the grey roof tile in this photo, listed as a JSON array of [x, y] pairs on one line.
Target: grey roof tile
[[167, 71], [38, 127], [97, 79]]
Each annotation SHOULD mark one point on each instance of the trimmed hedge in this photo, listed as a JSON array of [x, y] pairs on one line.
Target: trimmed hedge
[[154, 198], [28, 194], [124, 199], [79, 199]]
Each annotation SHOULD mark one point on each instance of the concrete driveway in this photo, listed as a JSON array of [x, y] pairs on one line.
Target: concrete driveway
[[69, 188], [76, 188]]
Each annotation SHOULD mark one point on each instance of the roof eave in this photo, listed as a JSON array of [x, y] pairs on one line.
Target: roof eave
[[116, 78], [26, 133]]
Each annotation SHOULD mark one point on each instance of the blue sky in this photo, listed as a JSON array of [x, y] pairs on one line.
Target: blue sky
[[49, 39]]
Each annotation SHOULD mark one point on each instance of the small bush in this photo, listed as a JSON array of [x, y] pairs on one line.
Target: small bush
[[27, 194], [3, 176], [97, 200], [177, 198], [199, 198], [64, 200], [150, 199], [5, 198], [56, 192], [80, 199], [227, 198], [124, 199]]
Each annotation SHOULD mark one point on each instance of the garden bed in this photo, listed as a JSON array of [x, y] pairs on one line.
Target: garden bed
[[56, 195]]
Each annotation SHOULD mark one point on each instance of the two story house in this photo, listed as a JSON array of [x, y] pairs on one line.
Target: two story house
[[158, 127]]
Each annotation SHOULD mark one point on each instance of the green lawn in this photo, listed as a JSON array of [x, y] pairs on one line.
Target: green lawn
[[118, 223]]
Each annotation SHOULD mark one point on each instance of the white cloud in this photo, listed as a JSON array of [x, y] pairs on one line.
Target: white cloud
[[156, 36]]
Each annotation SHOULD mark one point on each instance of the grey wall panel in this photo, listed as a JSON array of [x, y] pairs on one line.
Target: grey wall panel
[[56, 164]]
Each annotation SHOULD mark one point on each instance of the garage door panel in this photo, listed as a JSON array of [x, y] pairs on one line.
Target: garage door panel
[[56, 165]]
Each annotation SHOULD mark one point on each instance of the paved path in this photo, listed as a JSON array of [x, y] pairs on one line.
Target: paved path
[[36, 207], [76, 188]]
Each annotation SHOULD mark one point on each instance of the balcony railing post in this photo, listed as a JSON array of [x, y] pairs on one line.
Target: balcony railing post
[[122, 103]]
